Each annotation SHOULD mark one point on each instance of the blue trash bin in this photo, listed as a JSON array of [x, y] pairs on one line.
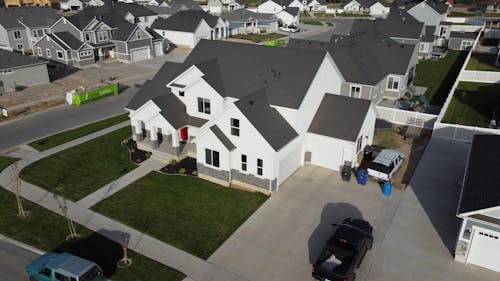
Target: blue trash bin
[[362, 177], [387, 190]]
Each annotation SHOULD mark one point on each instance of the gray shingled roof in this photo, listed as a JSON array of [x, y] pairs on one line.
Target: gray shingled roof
[[428, 34], [292, 10], [340, 117], [480, 188], [266, 119], [29, 16], [174, 7], [222, 137], [12, 60], [186, 21], [463, 35], [399, 24], [70, 40], [243, 15], [124, 30]]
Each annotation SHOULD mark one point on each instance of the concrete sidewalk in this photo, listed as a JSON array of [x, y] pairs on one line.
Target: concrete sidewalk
[[106, 191]]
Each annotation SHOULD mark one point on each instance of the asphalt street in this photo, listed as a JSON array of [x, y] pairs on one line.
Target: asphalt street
[[14, 261]]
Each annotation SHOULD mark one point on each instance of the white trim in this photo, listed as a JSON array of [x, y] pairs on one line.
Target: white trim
[[350, 90], [387, 83], [62, 54], [480, 211], [39, 51], [20, 35]]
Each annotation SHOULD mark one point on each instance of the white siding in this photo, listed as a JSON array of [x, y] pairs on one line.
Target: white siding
[[290, 159], [210, 141], [329, 152], [379, 10], [178, 37], [201, 89], [269, 7]]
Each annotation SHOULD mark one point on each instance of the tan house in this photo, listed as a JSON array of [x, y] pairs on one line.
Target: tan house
[[19, 3]]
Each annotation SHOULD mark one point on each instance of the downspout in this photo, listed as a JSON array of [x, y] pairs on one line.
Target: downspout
[[230, 169]]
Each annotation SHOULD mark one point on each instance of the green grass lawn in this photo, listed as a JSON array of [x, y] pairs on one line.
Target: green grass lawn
[[352, 15], [252, 3], [329, 23], [311, 22], [6, 161], [189, 213], [482, 62], [460, 14], [63, 137], [439, 75], [473, 104], [259, 37], [82, 169], [46, 230]]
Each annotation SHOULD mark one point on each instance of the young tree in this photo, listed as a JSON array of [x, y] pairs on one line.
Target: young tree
[[63, 205], [16, 188]]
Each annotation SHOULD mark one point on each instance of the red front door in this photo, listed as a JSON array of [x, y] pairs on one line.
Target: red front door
[[184, 134]]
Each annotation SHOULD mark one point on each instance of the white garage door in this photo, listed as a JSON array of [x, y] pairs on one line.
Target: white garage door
[[289, 164], [329, 152], [140, 54], [485, 249], [158, 49]]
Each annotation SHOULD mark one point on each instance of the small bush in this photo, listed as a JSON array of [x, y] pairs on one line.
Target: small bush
[[182, 171], [148, 154], [173, 162], [194, 173], [125, 142]]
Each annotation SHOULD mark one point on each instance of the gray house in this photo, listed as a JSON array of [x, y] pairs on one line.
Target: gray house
[[21, 27], [133, 43], [478, 241], [243, 21], [17, 70], [62, 48], [461, 40]]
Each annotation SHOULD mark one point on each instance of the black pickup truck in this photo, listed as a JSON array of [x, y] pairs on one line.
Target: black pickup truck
[[344, 251]]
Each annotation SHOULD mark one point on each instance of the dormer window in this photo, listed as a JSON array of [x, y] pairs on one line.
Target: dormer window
[[204, 105]]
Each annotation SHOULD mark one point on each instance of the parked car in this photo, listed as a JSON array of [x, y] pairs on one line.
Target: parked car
[[290, 28], [344, 251], [385, 165], [63, 267]]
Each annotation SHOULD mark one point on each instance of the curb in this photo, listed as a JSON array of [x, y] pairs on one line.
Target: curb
[[21, 245]]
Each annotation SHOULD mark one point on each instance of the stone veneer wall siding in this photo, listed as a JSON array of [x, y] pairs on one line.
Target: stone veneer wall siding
[[253, 180], [214, 173]]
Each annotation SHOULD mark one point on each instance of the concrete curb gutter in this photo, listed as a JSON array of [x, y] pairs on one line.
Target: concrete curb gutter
[[21, 245]]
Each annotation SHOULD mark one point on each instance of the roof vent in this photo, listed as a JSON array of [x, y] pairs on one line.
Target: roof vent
[[250, 102]]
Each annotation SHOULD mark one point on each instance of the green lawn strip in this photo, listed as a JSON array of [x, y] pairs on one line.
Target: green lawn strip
[[473, 104], [82, 169], [46, 230], [6, 161], [63, 137], [482, 62], [460, 14], [312, 22], [329, 23], [259, 37], [439, 75], [354, 15], [189, 213], [251, 3]]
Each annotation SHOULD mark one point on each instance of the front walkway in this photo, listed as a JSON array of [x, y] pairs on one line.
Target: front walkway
[[194, 267]]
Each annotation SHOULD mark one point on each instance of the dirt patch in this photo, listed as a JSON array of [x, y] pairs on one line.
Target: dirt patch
[[39, 106], [136, 155], [186, 166], [412, 148]]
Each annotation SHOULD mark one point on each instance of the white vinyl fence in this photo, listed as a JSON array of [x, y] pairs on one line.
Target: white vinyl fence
[[460, 132], [479, 76], [405, 117]]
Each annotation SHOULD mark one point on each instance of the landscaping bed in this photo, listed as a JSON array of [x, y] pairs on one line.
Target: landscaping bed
[[482, 62], [188, 213], [186, 166], [46, 230], [136, 155], [474, 104], [78, 171], [66, 136], [257, 38]]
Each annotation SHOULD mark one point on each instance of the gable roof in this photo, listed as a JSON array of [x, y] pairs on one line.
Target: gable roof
[[369, 3], [244, 15], [266, 119], [112, 14], [222, 137], [480, 188], [174, 6], [124, 31], [463, 35], [30, 16], [186, 21], [294, 11], [340, 117], [12, 60], [71, 41], [281, 3], [398, 24]]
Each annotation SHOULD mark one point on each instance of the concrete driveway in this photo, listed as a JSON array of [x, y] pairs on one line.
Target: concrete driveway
[[324, 33], [414, 230]]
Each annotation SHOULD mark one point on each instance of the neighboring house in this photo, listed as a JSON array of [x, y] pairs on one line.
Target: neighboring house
[[442, 34], [430, 12], [93, 3], [166, 9], [309, 5], [426, 44], [62, 48], [21, 3], [17, 70], [71, 5], [353, 6], [224, 6], [478, 241], [247, 114], [461, 40], [134, 44], [21, 27], [376, 8], [288, 15], [244, 21], [187, 28]]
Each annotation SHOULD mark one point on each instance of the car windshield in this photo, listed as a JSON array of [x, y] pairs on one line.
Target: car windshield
[[91, 274]]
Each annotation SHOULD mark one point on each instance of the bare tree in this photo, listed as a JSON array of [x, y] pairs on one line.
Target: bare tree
[[16, 188], [125, 261], [63, 205]]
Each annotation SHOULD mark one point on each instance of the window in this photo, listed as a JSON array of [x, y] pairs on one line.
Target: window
[[466, 44], [212, 157], [243, 162], [393, 83], [19, 47], [355, 91], [442, 31], [17, 35], [235, 127], [260, 165], [138, 35], [423, 47], [102, 36], [37, 33], [45, 271], [85, 53], [87, 37], [181, 93], [204, 105], [39, 51], [48, 53], [60, 55], [359, 144], [6, 72], [61, 277]]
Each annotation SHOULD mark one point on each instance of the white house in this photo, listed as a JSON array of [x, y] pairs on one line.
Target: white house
[[224, 6], [187, 28], [309, 5], [478, 241], [248, 116], [376, 8], [93, 3], [71, 5], [287, 14], [352, 6]]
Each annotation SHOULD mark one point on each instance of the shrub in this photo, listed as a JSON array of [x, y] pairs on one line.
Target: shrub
[[194, 173], [173, 162], [182, 171], [148, 154]]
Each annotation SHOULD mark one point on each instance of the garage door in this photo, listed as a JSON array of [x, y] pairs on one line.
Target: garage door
[[140, 54], [158, 49], [485, 249]]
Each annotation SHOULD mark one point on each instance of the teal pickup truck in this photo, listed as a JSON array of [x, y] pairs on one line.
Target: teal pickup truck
[[64, 267]]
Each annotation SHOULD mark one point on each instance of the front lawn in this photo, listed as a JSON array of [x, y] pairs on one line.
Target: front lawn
[[439, 75], [312, 22], [82, 169], [460, 14], [189, 213], [259, 37], [483, 62], [354, 15], [329, 23], [6, 161], [46, 230], [474, 104], [63, 137]]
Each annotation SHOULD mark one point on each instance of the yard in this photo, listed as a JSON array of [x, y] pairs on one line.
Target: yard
[[482, 62], [46, 230], [186, 212], [6, 161], [80, 170], [312, 22], [259, 37], [439, 75], [474, 104], [60, 138]]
